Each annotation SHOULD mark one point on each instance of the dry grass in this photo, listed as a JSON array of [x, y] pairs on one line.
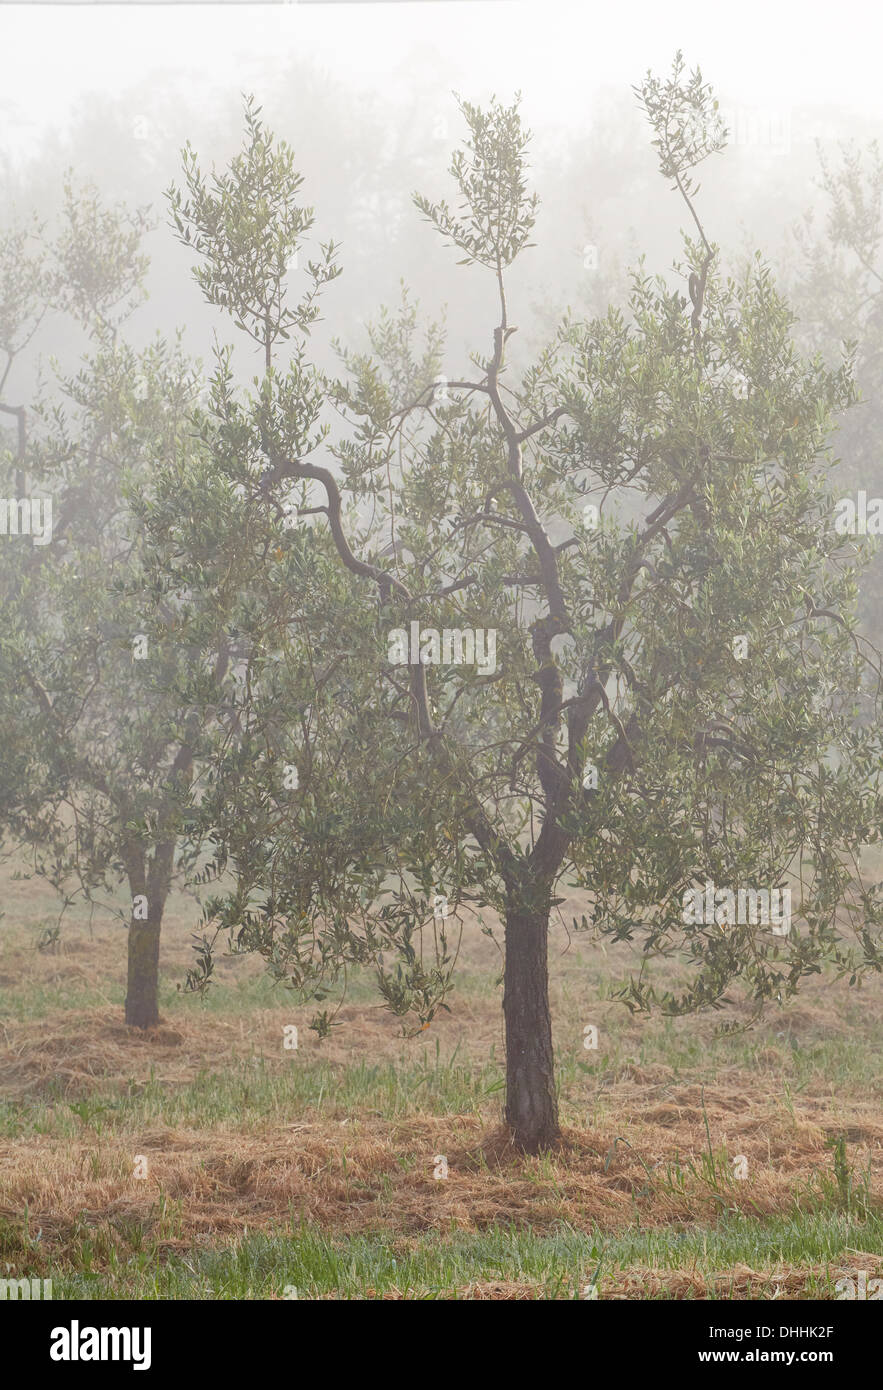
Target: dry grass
[[242, 1137]]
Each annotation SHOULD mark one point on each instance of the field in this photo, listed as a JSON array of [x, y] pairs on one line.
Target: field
[[310, 1173]]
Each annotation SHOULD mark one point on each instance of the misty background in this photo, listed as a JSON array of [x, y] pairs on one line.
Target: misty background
[[108, 94], [364, 94]]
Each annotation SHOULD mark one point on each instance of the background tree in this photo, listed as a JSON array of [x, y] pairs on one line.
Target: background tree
[[672, 702], [99, 742], [838, 296], [24, 296]]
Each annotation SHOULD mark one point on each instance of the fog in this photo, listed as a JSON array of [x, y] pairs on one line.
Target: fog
[[364, 93], [442, 457]]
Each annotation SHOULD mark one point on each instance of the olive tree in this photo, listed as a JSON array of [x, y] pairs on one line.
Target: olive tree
[[469, 679], [100, 737]]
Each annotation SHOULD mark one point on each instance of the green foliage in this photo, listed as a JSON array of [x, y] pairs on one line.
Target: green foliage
[[684, 118], [248, 225], [498, 212], [22, 278], [390, 500], [268, 541], [98, 272], [100, 745]]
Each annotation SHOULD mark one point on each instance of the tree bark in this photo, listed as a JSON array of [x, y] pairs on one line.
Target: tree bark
[[531, 1100], [153, 882], [142, 993]]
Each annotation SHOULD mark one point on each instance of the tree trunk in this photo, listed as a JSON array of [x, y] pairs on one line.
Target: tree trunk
[[142, 993], [531, 1102], [151, 881]]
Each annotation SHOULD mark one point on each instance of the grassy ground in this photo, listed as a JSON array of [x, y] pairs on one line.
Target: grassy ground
[[311, 1173]]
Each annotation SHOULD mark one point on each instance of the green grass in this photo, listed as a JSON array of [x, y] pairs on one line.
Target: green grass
[[437, 1265], [253, 1092], [256, 1089], [49, 999]]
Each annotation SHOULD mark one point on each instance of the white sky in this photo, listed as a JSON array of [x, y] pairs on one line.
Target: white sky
[[763, 52]]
